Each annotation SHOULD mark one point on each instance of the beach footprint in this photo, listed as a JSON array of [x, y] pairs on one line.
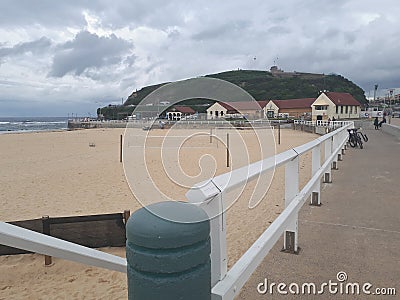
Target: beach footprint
[[88, 272], [102, 280], [71, 278], [6, 287]]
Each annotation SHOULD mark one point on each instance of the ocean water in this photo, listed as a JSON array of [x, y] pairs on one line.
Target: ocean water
[[26, 124]]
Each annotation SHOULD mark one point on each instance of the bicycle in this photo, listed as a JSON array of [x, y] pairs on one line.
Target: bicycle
[[356, 137]]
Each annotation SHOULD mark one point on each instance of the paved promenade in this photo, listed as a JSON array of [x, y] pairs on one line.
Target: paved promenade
[[356, 230]]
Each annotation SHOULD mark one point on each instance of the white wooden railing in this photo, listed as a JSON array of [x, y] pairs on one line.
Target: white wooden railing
[[210, 196], [21, 238], [323, 123]]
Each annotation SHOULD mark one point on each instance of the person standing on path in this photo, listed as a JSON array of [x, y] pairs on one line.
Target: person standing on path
[[383, 121], [376, 123]]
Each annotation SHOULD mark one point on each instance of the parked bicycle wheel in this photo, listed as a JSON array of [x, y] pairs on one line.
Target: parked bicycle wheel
[[352, 141], [359, 141]]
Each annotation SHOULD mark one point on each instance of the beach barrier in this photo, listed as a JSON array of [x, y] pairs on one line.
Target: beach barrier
[[211, 197], [21, 238], [94, 231], [319, 126]]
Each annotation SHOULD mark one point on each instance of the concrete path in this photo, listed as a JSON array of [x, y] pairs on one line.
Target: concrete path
[[356, 230]]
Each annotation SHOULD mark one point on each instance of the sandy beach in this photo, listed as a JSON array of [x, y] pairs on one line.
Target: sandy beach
[[59, 174]]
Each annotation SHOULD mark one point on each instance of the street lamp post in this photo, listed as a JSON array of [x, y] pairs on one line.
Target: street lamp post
[[375, 89]]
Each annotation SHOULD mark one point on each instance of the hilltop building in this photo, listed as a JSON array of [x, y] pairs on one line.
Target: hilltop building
[[276, 72]]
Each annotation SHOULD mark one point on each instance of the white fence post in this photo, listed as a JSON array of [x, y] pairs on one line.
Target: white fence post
[[290, 241], [215, 210], [328, 152], [218, 246], [343, 137], [316, 164], [335, 144]]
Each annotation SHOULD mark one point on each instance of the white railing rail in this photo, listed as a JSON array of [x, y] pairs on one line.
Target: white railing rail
[[323, 123], [333, 124], [303, 122], [21, 238], [210, 196]]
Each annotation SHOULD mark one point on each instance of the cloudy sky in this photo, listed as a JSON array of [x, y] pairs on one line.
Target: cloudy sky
[[63, 57]]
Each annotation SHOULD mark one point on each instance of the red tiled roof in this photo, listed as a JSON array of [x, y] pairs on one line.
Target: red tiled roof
[[230, 109], [294, 103], [233, 107], [184, 109], [342, 98], [263, 103]]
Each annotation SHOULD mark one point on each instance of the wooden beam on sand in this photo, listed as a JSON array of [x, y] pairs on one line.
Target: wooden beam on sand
[[120, 149], [46, 230]]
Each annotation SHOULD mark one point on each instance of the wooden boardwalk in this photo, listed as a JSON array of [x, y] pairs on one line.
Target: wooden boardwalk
[[356, 230]]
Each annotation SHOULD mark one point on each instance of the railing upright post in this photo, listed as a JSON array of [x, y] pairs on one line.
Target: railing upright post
[[341, 139], [328, 152], [335, 144], [218, 243], [316, 164], [344, 137], [215, 210], [290, 241]]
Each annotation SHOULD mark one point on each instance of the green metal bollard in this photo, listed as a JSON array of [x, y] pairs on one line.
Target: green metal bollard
[[169, 260]]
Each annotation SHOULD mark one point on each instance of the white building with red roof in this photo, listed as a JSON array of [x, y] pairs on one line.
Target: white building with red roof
[[331, 105], [179, 112], [295, 108], [239, 109], [326, 105]]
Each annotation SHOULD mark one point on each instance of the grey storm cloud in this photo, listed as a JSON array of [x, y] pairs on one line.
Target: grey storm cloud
[[69, 13], [89, 51], [44, 12], [278, 30], [226, 30], [38, 46], [152, 41]]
